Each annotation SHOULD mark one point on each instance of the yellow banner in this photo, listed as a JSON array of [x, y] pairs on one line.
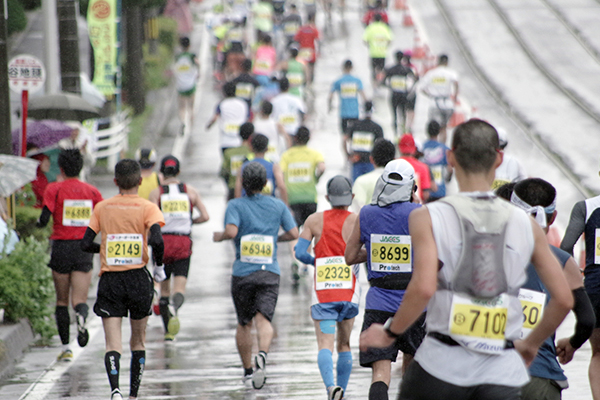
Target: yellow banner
[[102, 25]]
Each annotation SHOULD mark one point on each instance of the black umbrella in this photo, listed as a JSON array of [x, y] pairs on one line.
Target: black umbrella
[[61, 106]]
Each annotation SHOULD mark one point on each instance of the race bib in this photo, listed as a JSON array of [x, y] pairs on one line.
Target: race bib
[[390, 253], [398, 83], [287, 119], [306, 54], [268, 189], [77, 212], [257, 249], [597, 251], [438, 173], [124, 249], [232, 129], [291, 28], [263, 65], [244, 90], [479, 324], [332, 273], [533, 303], [295, 78], [175, 205], [362, 141], [236, 163], [439, 80], [299, 172], [348, 90]]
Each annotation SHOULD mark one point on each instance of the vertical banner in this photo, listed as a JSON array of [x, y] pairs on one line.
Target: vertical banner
[[103, 30]]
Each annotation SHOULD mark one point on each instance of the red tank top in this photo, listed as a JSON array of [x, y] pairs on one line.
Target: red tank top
[[334, 280]]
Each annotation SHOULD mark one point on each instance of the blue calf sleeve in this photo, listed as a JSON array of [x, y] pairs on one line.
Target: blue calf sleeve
[[327, 326], [344, 368], [325, 361]]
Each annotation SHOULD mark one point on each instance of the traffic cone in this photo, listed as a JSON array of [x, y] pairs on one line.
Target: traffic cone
[[407, 21], [400, 5], [418, 48]]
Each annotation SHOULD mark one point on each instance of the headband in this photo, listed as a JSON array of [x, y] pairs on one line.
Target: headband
[[540, 212]]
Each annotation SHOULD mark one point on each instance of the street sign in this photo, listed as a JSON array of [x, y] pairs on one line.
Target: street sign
[[26, 72]]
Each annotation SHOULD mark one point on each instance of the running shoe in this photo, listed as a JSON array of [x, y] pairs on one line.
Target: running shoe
[[173, 325], [295, 275], [169, 337], [335, 393], [66, 355], [247, 379], [259, 376], [83, 336], [116, 395]]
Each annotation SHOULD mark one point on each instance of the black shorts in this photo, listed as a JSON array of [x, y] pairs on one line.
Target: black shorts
[[255, 293], [399, 100], [301, 211], [378, 64], [407, 343], [347, 123], [67, 257], [419, 384], [178, 268], [125, 293]]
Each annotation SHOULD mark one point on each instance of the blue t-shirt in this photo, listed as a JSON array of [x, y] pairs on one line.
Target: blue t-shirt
[[545, 364], [388, 220], [348, 87], [434, 155], [258, 219], [271, 185]]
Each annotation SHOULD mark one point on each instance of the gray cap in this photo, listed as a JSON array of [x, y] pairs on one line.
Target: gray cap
[[339, 190]]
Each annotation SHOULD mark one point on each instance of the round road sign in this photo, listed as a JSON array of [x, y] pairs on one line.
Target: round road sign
[[26, 72]]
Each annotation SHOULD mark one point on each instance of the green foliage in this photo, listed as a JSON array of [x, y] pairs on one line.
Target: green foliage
[[26, 289], [26, 218], [137, 128], [156, 67], [167, 33], [17, 20], [31, 4], [25, 197]]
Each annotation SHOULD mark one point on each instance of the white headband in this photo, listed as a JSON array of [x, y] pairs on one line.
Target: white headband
[[539, 211]]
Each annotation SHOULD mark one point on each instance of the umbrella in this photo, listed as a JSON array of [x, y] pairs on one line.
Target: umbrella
[[41, 134], [15, 172], [62, 106]]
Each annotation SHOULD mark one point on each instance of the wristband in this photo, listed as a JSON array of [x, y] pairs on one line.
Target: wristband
[[388, 331]]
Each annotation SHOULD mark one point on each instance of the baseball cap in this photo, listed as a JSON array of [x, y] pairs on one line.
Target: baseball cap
[[169, 165], [398, 172], [146, 157], [339, 190], [502, 137], [407, 144]]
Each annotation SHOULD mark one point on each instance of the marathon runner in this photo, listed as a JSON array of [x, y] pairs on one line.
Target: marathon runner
[[246, 84], [348, 88], [231, 113], [382, 227], [408, 151], [460, 360], [296, 71], [263, 11], [434, 155], [70, 204], [186, 70], [401, 80], [253, 222], [150, 179], [279, 140], [308, 42], [128, 224], [177, 201], [291, 23], [383, 152], [234, 157], [538, 198], [511, 169], [265, 58], [288, 109], [335, 290], [360, 137], [378, 37]]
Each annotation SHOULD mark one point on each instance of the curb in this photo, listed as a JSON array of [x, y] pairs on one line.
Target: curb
[[14, 340]]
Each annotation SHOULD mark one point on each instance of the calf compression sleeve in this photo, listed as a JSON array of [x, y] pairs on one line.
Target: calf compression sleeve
[[325, 361]]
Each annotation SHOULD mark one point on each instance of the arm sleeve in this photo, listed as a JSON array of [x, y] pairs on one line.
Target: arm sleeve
[[44, 217], [575, 228], [586, 319], [301, 250], [156, 241], [87, 244]]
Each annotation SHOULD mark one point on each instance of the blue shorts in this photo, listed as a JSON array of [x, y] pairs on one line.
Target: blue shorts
[[337, 310], [592, 288]]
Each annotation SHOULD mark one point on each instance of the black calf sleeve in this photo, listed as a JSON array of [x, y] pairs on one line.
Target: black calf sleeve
[[61, 314], [378, 391], [112, 362], [138, 361]]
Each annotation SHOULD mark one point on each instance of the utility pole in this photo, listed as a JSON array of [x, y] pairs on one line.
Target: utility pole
[[136, 93], [5, 136], [69, 46], [51, 46]]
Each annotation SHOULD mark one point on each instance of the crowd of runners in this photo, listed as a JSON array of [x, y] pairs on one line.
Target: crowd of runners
[[478, 260]]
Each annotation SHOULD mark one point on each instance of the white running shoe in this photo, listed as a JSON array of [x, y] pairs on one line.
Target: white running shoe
[[259, 376]]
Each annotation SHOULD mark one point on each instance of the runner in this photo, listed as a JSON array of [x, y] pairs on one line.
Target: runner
[[348, 88], [335, 296], [150, 179], [262, 11], [291, 23], [383, 152], [275, 185], [70, 205], [408, 151], [461, 361], [377, 9], [231, 113], [234, 157], [378, 37], [440, 84], [308, 41], [401, 80], [279, 140], [253, 222], [585, 220], [538, 198], [434, 155], [359, 141], [265, 58], [128, 224], [295, 71], [511, 169], [186, 70], [177, 201], [245, 83], [288, 109], [382, 227]]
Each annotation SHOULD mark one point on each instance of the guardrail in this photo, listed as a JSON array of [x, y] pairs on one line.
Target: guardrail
[[111, 138]]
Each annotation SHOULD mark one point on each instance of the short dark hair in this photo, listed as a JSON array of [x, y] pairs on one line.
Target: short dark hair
[[254, 178], [311, 17], [184, 42], [259, 143], [383, 152], [475, 145], [536, 192], [284, 84], [505, 191], [399, 56], [246, 130], [433, 128], [293, 52], [266, 107], [348, 64], [377, 17], [247, 65], [443, 59], [302, 135], [128, 174], [71, 162], [266, 38], [229, 89]]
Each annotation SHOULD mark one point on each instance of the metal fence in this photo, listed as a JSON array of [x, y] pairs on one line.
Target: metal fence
[[111, 138]]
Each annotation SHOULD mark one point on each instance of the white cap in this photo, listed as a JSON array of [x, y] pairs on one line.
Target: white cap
[[502, 136], [398, 172]]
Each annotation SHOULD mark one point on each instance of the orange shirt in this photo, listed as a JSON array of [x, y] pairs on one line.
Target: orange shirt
[[125, 222]]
